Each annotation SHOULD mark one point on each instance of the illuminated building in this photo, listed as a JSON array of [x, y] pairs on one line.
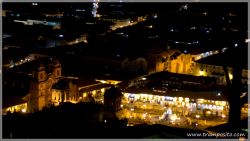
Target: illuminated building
[[112, 82], [14, 104], [171, 60], [95, 90], [50, 88], [213, 66], [193, 64], [196, 102]]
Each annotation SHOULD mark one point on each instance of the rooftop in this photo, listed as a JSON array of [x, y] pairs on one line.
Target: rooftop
[[211, 95], [164, 75], [93, 87], [12, 101]]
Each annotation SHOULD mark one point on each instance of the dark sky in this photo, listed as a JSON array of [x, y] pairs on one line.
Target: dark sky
[[238, 7]]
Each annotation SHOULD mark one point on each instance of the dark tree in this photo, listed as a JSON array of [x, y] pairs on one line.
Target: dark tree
[[234, 59]]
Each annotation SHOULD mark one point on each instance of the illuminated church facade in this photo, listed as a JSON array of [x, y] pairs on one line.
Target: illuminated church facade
[[49, 87]]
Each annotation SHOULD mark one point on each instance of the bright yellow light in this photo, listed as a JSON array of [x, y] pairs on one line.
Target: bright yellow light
[[102, 90], [180, 99], [173, 117], [150, 97], [208, 112], [223, 116], [84, 95], [182, 103], [201, 100], [93, 92], [197, 116], [223, 103], [186, 99], [202, 73], [103, 81], [230, 76], [174, 99], [24, 110]]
